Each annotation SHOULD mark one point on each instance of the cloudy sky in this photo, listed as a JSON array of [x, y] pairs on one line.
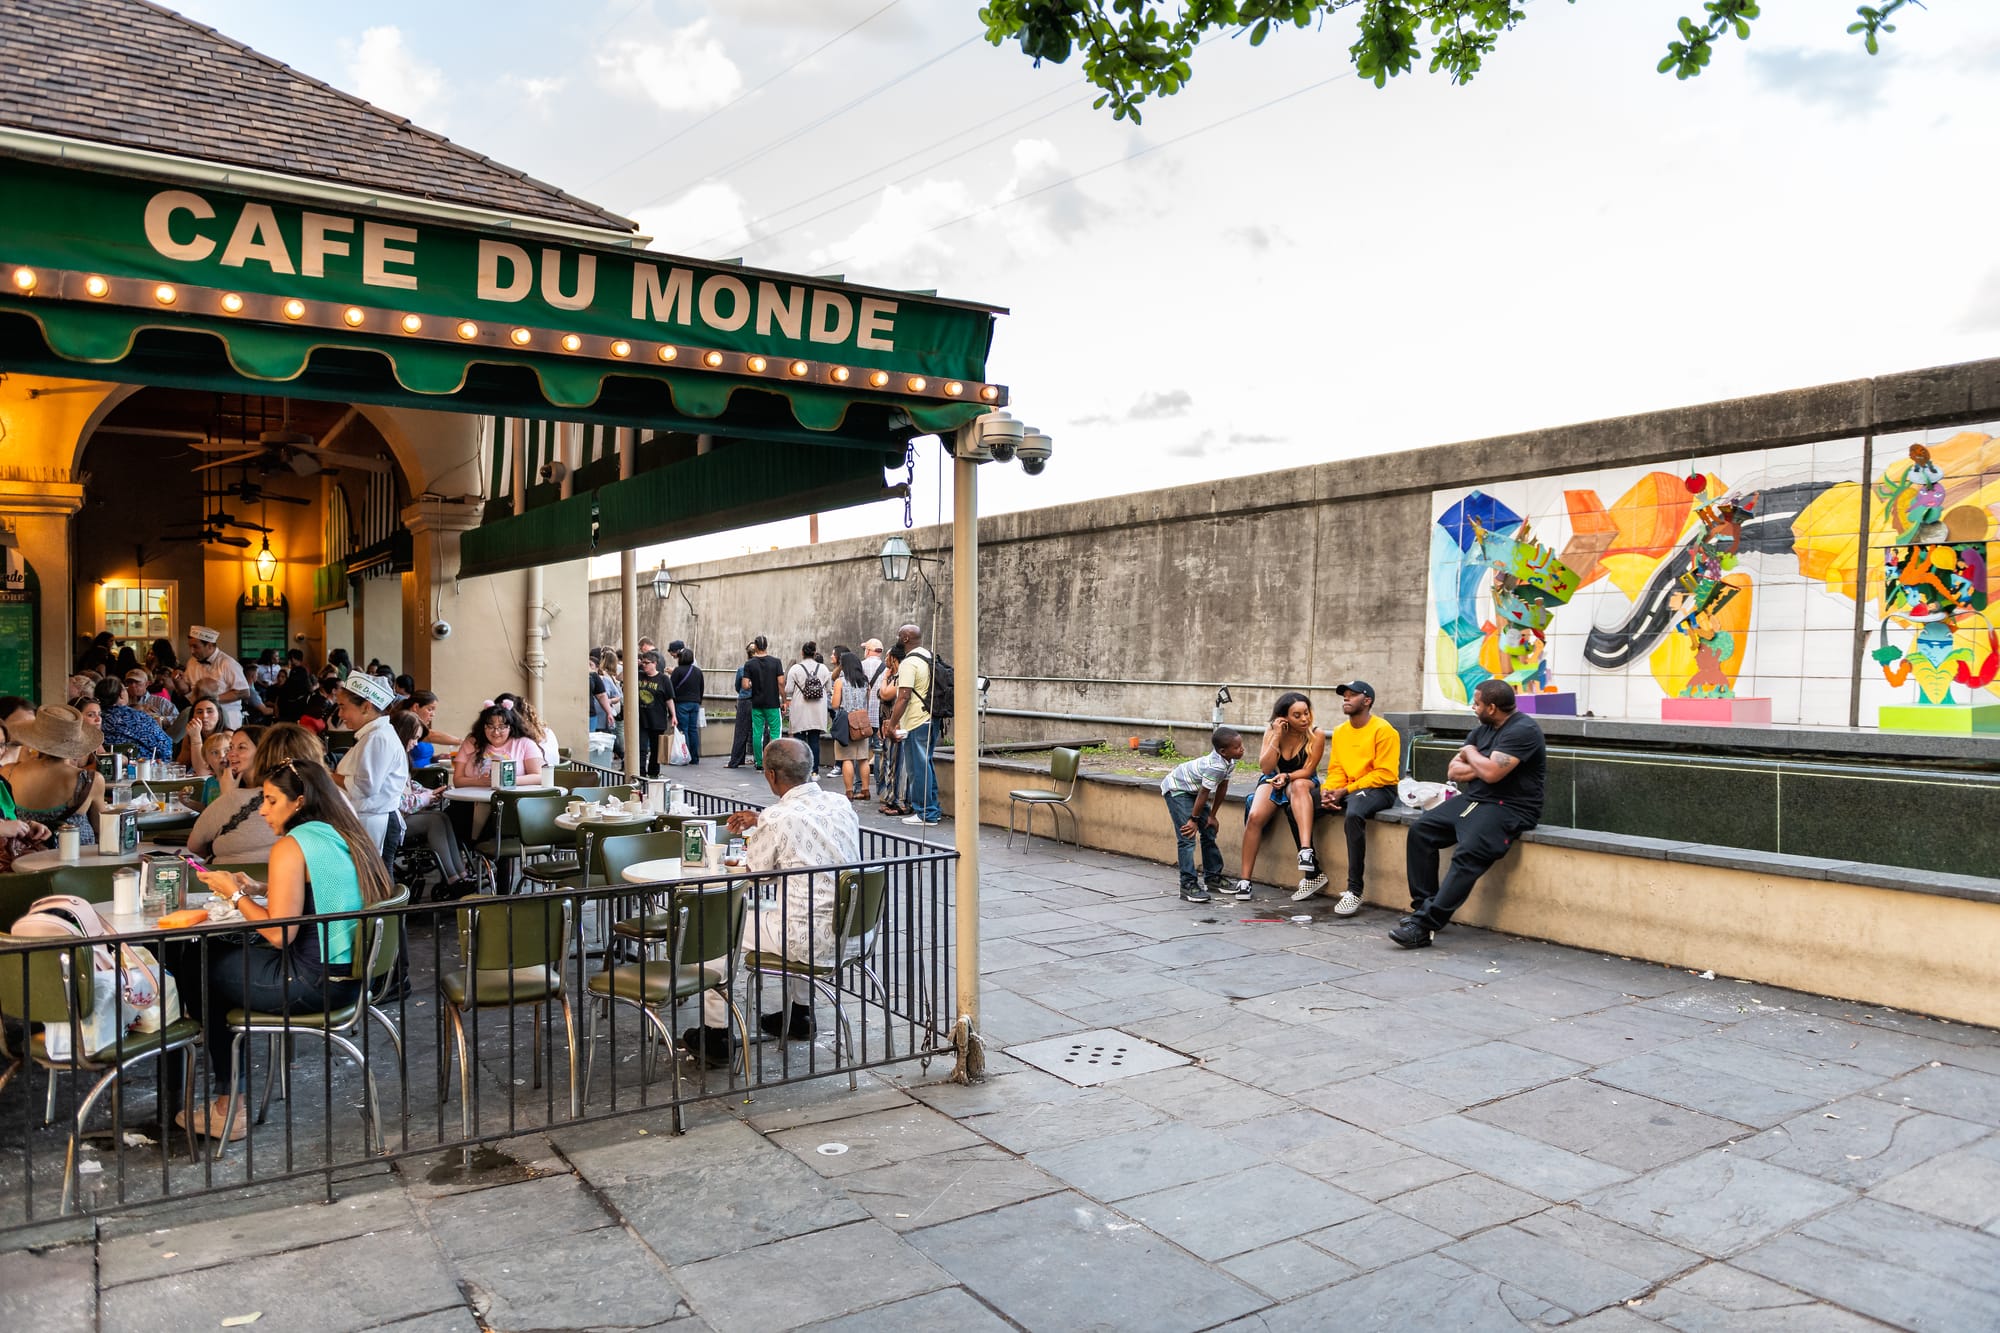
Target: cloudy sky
[[1283, 265]]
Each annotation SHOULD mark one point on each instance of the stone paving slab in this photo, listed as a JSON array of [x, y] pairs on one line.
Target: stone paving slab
[[1492, 1134]]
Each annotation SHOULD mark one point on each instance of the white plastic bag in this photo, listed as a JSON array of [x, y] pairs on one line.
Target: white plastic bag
[[1422, 795], [677, 749]]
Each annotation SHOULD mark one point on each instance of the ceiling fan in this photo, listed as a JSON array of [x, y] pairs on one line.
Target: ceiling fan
[[209, 537], [281, 448], [249, 492], [218, 519]]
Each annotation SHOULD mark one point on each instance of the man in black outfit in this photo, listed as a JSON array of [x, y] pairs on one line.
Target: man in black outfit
[[739, 744], [1499, 771]]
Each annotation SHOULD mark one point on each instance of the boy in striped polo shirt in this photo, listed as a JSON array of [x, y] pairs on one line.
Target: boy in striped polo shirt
[[1194, 792]]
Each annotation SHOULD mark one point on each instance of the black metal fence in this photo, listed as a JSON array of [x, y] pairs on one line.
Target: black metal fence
[[449, 1026]]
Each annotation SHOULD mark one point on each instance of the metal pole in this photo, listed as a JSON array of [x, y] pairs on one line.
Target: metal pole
[[965, 761], [628, 618], [533, 658]]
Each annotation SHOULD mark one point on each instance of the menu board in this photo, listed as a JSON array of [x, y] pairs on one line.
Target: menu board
[[259, 628], [20, 637]]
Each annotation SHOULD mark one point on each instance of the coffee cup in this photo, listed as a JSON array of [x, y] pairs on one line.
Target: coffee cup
[[575, 809]]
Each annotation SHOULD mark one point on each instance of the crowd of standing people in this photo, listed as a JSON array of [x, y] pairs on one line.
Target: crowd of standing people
[[869, 717]]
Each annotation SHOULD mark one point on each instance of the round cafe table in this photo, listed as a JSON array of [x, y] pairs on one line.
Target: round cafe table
[[484, 795], [599, 819], [654, 872], [88, 856]]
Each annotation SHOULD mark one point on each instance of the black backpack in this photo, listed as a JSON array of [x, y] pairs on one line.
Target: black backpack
[[942, 698], [812, 687]]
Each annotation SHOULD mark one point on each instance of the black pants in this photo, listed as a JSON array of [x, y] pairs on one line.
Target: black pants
[[811, 738], [1356, 811], [226, 975], [649, 752], [1483, 830], [739, 744]]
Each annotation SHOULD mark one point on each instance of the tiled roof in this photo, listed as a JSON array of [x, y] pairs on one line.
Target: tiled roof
[[130, 73]]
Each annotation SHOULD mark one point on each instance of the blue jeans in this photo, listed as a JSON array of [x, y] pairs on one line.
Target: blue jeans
[[922, 778], [1180, 807], [690, 720]]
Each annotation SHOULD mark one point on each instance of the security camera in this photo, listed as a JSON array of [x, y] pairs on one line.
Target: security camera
[[1033, 451], [554, 471], [1001, 435], [440, 629]]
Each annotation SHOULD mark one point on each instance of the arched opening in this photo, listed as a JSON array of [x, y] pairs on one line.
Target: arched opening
[[275, 521]]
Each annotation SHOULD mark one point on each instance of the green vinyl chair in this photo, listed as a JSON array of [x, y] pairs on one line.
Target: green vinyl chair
[[377, 942], [511, 953], [1062, 771], [544, 860], [703, 924], [58, 987], [860, 897]]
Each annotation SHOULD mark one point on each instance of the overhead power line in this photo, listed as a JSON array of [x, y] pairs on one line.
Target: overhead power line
[[1127, 160], [895, 162], [810, 125], [743, 96]]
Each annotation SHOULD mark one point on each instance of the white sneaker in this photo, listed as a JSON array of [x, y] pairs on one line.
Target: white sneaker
[[1349, 904], [1311, 878], [1243, 889]]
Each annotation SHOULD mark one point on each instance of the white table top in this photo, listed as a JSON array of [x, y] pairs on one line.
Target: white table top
[[669, 868], [598, 819], [52, 858], [148, 923], [88, 856], [484, 795]]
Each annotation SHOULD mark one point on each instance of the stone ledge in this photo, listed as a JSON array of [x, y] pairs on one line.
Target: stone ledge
[[1971, 888]]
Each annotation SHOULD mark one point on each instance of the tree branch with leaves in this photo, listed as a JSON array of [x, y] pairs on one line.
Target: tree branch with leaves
[[1139, 49]]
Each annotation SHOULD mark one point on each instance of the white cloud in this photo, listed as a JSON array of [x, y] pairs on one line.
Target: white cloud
[[899, 236], [382, 70], [539, 92], [709, 220], [688, 71]]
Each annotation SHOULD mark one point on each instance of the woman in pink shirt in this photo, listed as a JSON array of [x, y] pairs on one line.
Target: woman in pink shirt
[[496, 735]]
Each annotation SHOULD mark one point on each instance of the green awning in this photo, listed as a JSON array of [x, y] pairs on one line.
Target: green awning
[[550, 535], [757, 481], [330, 587], [149, 281]]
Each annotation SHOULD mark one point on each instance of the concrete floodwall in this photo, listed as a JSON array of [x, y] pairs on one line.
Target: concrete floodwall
[[1137, 606]]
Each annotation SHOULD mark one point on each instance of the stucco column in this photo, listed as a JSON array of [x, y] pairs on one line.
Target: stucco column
[[39, 513]]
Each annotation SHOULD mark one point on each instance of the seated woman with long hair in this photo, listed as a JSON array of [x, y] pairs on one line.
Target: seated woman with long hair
[[230, 828], [497, 733], [534, 727], [321, 862], [55, 780], [1290, 755]]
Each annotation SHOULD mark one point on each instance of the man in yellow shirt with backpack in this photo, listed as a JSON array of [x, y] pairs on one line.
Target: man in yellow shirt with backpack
[[1364, 758]]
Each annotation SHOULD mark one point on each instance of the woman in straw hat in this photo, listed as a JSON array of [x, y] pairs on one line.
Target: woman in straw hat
[[45, 786]]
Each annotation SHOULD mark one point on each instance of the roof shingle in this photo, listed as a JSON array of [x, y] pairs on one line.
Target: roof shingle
[[131, 73]]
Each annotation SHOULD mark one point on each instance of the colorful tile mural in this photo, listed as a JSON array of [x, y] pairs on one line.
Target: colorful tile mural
[[1733, 576]]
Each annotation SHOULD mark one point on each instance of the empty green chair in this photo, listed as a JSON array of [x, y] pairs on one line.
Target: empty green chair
[[544, 859], [860, 898], [703, 925], [511, 954], [1062, 771]]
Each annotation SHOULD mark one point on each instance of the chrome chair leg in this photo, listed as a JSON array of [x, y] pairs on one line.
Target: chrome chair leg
[[569, 1035]]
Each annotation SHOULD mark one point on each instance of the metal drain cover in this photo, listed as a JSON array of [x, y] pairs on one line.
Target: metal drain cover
[[1087, 1058]]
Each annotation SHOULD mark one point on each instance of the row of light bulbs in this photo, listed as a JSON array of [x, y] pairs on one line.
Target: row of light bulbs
[[27, 280]]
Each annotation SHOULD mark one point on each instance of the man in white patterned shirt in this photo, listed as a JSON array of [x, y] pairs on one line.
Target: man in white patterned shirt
[[807, 826]]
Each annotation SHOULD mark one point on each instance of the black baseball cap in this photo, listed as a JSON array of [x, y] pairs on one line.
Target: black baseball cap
[[1356, 687], [675, 646]]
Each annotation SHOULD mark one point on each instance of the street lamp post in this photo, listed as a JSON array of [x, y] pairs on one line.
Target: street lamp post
[[994, 437]]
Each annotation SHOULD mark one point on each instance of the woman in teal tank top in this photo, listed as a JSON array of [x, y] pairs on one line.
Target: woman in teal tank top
[[323, 862]]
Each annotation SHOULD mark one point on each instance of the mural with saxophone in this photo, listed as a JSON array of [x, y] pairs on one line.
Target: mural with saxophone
[[1732, 575]]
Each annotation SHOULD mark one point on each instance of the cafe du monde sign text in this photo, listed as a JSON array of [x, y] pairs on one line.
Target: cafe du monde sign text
[[100, 222]]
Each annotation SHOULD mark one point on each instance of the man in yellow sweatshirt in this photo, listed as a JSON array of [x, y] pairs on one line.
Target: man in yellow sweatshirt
[[1364, 759]]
